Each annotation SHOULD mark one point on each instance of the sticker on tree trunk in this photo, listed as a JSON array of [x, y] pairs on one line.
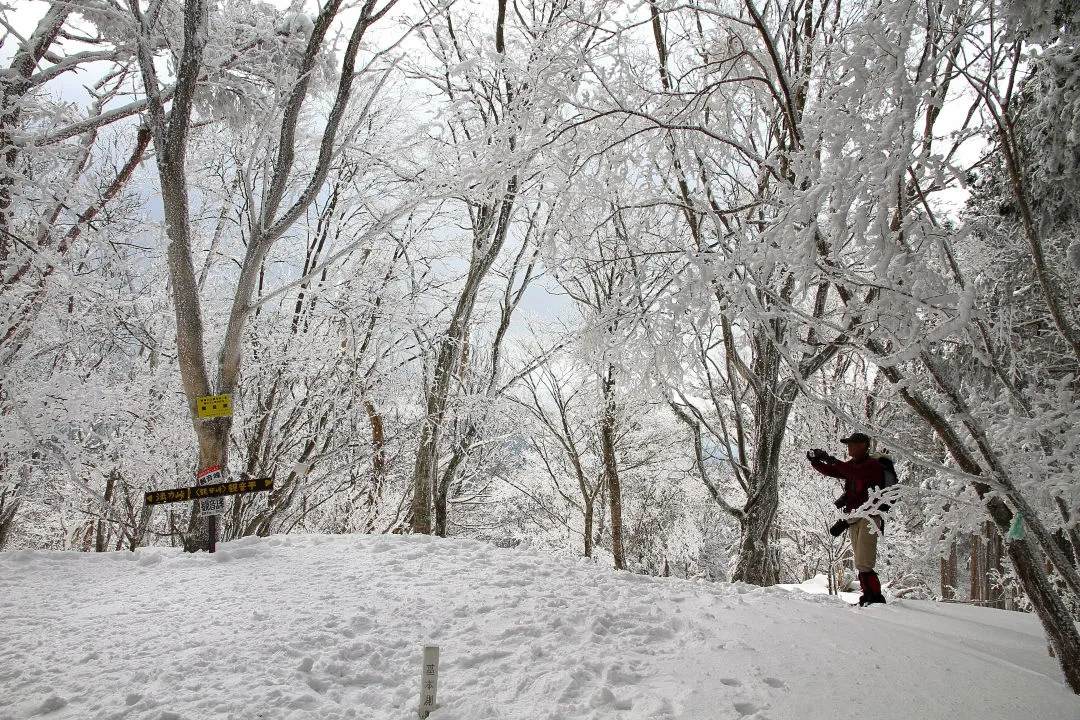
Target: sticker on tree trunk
[[213, 406], [210, 476]]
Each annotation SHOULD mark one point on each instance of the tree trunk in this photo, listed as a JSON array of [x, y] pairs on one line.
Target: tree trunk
[[1034, 580], [489, 235], [378, 466], [442, 490], [611, 466], [756, 562], [7, 518], [976, 569], [948, 574], [995, 552], [138, 534], [589, 505], [1050, 608], [10, 501], [101, 537], [423, 480]]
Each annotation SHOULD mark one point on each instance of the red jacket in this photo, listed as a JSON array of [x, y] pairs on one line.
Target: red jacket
[[858, 477]]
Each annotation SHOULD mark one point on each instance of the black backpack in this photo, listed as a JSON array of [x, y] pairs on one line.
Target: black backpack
[[889, 480]]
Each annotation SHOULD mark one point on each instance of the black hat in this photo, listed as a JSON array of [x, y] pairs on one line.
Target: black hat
[[857, 437]]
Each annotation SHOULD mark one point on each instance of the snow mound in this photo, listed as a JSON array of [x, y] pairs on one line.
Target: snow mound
[[332, 627]]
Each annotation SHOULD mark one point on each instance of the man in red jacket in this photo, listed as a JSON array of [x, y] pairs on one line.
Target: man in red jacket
[[860, 475]]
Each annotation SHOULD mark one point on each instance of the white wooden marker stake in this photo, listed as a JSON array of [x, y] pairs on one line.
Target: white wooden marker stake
[[429, 680]]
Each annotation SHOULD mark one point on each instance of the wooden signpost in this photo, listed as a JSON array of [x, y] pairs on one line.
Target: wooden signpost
[[187, 494], [210, 490], [211, 505], [429, 681]]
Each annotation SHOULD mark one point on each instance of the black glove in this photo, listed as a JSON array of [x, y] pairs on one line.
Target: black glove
[[817, 455], [840, 502], [839, 527]]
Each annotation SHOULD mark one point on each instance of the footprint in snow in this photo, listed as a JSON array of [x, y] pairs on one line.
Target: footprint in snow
[[774, 682], [731, 682], [745, 709]]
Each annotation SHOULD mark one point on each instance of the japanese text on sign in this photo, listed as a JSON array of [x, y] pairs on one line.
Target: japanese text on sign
[[157, 497], [210, 504], [429, 681], [200, 492], [212, 406]]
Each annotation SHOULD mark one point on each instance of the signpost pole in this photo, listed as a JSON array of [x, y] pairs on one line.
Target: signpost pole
[[208, 407], [429, 681]]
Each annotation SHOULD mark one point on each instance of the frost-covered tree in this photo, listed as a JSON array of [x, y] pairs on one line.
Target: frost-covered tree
[[278, 187], [924, 321], [501, 88]]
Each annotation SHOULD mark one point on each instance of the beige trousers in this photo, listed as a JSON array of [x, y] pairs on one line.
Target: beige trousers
[[864, 543]]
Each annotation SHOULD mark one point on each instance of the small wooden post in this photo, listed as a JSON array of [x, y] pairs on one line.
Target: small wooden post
[[211, 530], [429, 680]]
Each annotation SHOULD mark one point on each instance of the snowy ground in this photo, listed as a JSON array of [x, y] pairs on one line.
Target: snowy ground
[[332, 627]]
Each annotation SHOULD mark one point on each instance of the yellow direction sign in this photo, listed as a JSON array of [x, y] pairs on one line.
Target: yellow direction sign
[[213, 406]]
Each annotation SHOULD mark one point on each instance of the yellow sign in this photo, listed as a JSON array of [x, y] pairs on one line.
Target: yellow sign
[[213, 406]]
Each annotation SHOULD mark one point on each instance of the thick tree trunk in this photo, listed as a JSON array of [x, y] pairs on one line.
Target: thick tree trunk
[[1055, 617], [11, 500], [8, 509], [138, 534], [423, 480], [171, 133], [756, 562]]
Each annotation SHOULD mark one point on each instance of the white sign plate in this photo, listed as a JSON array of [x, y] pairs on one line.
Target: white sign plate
[[211, 505]]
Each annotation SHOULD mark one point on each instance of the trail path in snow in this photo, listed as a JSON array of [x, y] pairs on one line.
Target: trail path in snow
[[305, 627]]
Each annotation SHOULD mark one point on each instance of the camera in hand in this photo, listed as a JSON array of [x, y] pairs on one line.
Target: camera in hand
[[839, 527], [817, 455]]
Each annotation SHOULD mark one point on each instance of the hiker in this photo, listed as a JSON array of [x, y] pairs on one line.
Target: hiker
[[861, 473]]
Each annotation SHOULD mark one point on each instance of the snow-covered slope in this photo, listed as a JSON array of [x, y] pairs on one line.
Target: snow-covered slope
[[332, 627]]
